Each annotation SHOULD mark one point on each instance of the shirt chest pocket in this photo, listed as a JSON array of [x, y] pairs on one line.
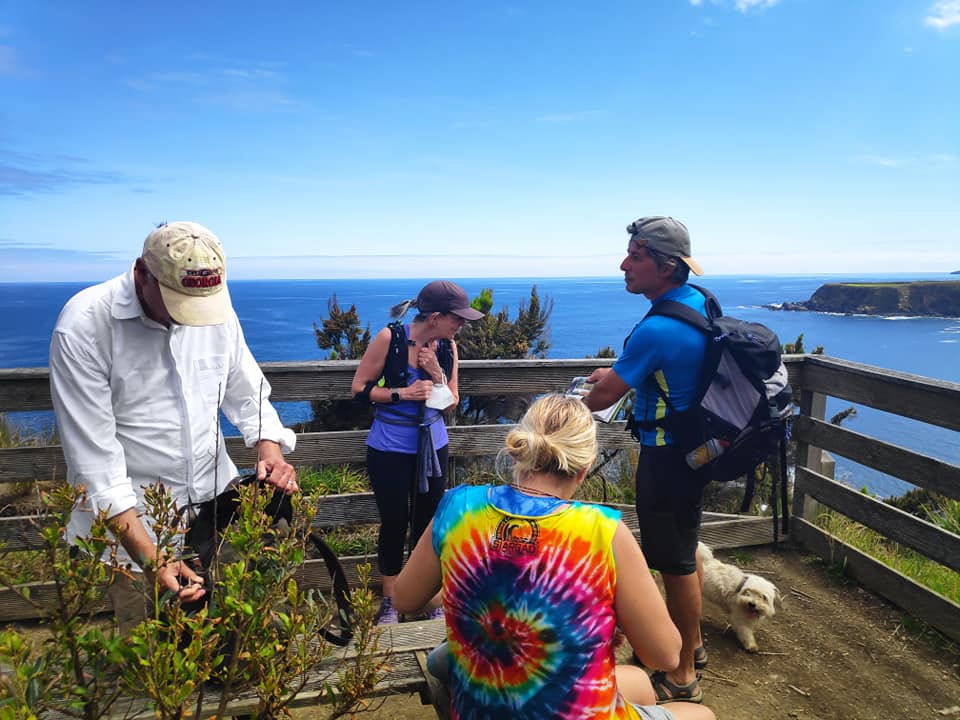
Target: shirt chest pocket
[[211, 377]]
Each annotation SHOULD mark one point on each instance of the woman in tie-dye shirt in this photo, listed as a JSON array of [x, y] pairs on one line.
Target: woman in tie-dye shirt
[[534, 585]]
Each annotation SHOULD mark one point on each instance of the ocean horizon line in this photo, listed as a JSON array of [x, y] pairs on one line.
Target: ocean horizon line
[[903, 276]]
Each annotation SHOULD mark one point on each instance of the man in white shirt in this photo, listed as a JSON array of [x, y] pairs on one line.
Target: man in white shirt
[[140, 367]]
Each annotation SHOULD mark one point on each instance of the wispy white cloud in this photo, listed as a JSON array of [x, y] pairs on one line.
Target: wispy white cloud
[[747, 5], [251, 73], [21, 244], [570, 117], [887, 161], [21, 260], [934, 160], [742, 6], [943, 14], [236, 87], [250, 100], [31, 174]]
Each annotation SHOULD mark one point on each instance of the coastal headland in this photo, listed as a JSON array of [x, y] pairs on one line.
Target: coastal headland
[[920, 298]]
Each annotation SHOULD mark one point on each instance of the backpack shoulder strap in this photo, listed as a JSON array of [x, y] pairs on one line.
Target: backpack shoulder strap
[[686, 314], [395, 364], [712, 304], [683, 313], [445, 355]]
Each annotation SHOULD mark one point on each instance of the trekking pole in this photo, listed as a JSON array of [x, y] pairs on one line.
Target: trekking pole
[[783, 484], [773, 504], [423, 436]]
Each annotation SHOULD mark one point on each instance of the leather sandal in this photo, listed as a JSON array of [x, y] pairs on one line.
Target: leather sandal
[[668, 691]]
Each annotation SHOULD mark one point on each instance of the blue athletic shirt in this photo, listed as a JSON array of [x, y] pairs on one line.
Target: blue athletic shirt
[[670, 350]]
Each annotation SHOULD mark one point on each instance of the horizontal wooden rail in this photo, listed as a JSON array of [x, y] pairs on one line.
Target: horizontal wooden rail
[[313, 449], [893, 523], [22, 532], [931, 401], [913, 467], [24, 389], [718, 530], [29, 388], [934, 609]]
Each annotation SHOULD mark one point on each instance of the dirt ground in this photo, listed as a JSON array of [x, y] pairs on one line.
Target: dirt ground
[[835, 650]]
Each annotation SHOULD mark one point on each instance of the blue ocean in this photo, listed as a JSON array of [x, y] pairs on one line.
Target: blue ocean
[[588, 314]]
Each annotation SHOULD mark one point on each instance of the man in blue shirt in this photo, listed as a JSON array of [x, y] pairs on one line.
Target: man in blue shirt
[[667, 352]]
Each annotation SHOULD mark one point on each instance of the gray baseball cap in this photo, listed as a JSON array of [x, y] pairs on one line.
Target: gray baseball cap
[[665, 235]]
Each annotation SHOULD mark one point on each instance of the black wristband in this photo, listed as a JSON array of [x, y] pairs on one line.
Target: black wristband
[[364, 395]]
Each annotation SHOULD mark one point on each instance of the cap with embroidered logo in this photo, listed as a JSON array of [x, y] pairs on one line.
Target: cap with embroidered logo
[[664, 235], [188, 262]]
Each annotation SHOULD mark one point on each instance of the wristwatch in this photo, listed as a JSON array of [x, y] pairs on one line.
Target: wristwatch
[[394, 396]]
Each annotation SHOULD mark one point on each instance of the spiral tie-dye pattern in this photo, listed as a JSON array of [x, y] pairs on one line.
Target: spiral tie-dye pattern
[[529, 609]]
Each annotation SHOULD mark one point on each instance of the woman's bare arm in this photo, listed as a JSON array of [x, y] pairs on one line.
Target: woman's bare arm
[[420, 578], [640, 608]]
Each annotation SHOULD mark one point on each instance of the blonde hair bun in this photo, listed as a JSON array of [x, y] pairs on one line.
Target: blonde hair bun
[[556, 435]]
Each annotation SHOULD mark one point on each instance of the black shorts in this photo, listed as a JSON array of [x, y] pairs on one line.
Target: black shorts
[[669, 508]]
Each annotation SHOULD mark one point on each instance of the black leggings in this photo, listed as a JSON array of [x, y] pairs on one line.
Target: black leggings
[[392, 479]]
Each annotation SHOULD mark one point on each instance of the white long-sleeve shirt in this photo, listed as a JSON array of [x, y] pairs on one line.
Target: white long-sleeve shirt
[[137, 402]]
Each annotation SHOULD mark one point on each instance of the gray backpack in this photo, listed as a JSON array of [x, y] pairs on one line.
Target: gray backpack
[[741, 411]]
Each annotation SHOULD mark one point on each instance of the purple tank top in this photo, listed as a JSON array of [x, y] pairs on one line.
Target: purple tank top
[[389, 437]]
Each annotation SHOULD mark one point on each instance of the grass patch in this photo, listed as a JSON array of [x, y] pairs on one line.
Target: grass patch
[[19, 567], [919, 568], [333, 480], [359, 540], [884, 284], [13, 436]]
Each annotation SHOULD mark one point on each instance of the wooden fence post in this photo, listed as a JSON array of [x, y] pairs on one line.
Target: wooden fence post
[[813, 405]]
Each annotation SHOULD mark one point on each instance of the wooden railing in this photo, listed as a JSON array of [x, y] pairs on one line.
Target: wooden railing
[[28, 389], [934, 402], [813, 377]]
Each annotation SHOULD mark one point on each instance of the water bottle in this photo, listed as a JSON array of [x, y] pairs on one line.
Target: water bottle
[[701, 455]]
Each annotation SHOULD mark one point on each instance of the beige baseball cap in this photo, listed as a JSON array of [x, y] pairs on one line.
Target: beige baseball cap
[[188, 262]]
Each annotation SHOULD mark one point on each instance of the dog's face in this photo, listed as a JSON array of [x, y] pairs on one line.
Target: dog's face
[[758, 598]]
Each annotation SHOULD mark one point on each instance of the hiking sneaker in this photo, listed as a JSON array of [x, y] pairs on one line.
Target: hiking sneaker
[[387, 614]]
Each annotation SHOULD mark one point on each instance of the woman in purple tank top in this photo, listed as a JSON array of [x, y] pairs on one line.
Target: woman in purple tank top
[[409, 373]]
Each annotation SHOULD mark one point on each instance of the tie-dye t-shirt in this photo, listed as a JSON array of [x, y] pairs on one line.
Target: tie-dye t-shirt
[[529, 609]]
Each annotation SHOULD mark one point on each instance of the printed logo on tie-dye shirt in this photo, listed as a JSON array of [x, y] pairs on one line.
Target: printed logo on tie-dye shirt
[[516, 536]]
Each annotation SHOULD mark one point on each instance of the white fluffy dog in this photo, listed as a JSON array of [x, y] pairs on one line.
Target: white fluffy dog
[[748, 599]]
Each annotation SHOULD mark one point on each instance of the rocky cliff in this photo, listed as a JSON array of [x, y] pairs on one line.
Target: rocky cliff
[[941, 298]]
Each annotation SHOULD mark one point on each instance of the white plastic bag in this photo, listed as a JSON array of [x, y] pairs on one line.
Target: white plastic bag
[[440, 397]]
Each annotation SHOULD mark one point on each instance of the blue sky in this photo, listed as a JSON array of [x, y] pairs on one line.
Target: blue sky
[[480, 138]]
